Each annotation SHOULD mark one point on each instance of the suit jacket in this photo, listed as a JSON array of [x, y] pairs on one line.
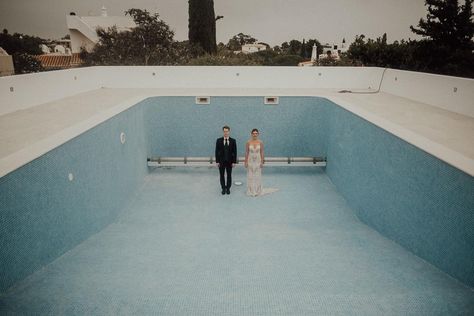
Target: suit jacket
[[220, 150]]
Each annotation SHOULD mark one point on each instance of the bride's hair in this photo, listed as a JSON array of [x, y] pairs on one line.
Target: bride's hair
[[255, 130]]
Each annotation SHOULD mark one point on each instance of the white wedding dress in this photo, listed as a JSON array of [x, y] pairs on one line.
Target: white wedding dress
[[254, 173]]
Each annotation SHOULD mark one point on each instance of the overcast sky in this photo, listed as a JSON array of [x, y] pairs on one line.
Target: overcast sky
[[270, 21]]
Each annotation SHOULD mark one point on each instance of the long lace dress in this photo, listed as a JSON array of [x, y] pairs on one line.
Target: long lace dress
[[254, 173]]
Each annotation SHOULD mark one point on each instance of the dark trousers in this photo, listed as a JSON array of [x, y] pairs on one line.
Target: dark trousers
[[226, 167]]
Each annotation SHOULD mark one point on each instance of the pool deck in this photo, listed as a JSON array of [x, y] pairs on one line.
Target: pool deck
[[180, 249], [29, 133]]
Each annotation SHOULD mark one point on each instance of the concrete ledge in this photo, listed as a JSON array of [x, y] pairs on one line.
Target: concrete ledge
[[30, 133]]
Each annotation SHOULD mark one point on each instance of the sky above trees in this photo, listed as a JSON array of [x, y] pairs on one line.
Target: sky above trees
[[271, 21]]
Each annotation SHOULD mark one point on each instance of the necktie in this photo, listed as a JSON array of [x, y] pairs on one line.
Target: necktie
[[226, 142]]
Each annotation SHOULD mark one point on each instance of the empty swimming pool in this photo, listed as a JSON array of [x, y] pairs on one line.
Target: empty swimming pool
[[385, 228]]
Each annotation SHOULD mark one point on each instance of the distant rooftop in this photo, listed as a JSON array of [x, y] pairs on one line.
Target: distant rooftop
[[83, 30], [123, 23], [59, 61]]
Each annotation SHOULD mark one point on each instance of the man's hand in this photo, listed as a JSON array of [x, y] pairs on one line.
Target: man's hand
[[218, 164], [233, 164]]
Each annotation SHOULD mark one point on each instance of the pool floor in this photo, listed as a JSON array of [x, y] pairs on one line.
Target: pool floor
[[181, 248]]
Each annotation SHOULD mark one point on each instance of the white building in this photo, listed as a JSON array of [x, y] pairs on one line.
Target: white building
[[45, 49], [314, 59], [60, 49], [253, 48], [83, 29], [334, 50], [6, 64]]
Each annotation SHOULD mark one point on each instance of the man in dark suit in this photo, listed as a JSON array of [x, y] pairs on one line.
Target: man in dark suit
[[226, 157]]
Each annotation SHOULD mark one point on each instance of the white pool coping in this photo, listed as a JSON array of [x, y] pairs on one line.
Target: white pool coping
[[29, 133]]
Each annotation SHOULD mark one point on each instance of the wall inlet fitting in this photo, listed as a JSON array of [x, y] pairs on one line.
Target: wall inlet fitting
[[271, 100], [11, 89], [122, 138], [70, 177], [455, 89], [203, 100]]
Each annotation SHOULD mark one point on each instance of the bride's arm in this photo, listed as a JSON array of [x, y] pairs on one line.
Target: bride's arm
[[262, 156], [246, 154]]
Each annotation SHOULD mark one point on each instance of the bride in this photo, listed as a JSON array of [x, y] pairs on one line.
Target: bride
[[254, 160]]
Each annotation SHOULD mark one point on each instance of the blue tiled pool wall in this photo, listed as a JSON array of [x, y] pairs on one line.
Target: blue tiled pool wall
[[43, 214], [176, 126], [404, 193]]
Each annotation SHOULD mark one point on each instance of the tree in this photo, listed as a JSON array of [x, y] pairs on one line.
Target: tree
[[379, 53], [152, 35], [202, 25], [237, 41], [25, 63], [287, 60], [277, 49], [22, 48], [149, 43], [266, 57], [303, 51], [226, 58], [20, 43], [310, 43], [328, 61], [285, 46], [465, 24], [447, 47], [294, 47], [447, 23]]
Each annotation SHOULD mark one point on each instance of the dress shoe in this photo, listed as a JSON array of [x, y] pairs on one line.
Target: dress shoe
[[227, 191], [223, 191]]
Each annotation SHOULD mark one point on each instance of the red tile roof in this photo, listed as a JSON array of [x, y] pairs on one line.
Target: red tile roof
[[50, 61], [76, 60]]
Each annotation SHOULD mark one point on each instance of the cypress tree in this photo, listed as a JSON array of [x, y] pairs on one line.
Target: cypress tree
[[202, 25], [303, 50], [447, 23]]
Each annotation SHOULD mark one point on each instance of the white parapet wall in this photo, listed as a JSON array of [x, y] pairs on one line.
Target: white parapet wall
[[243, 77], [450, 93], [407, 106], [23, 91]]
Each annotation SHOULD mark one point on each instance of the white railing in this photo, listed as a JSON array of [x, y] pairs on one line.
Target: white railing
[[210, 161]]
